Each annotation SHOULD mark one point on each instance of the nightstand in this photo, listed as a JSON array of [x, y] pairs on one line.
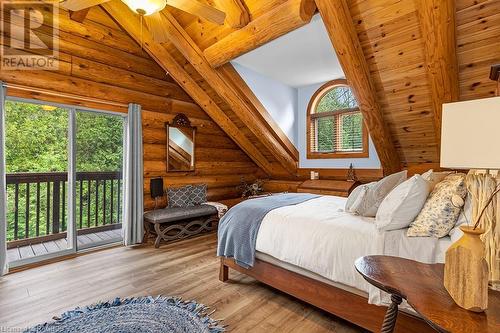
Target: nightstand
[[422, 287]]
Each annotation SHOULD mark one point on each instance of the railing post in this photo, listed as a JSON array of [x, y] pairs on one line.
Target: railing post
[[16, 211], [27, 213], [56, 196]]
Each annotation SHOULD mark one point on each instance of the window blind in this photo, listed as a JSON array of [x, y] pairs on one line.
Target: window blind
[[340, 131]]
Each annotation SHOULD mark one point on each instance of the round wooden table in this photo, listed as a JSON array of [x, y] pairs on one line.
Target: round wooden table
[[421, 285]]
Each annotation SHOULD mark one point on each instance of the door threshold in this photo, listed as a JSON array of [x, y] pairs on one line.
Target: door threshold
[[29, 263]]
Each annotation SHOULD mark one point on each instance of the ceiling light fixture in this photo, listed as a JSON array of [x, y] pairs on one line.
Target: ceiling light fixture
[[146, 7]]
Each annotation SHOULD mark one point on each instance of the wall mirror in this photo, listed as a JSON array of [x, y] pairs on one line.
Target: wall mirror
[[181, 144]]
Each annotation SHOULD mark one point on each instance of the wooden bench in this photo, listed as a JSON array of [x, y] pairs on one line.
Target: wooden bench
[[180, 222]]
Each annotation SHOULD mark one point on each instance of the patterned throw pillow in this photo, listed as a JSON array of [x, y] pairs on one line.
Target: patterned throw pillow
[[180, 196], [439, 215], [199, 194]]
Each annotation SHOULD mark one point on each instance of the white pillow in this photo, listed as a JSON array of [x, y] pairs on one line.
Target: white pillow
[[377, 191], [402, 204], [355, 199], [435, 177]]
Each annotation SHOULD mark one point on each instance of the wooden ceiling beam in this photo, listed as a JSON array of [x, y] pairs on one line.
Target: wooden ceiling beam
[[340, 27], [131, 24], [79, 15], [284, 18], [183, 42], [235, 79], [437, 22], [237, 15]]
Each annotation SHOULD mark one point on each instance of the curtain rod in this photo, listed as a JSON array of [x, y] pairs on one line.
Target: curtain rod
[[77, 97]]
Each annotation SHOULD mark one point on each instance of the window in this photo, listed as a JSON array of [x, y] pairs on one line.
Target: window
[[335, 127]]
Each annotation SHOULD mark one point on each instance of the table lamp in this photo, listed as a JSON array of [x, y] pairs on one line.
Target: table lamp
[[469, 140]]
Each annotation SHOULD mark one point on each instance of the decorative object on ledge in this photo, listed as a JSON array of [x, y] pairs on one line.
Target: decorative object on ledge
[[465, 145], [181, 144], [351, 174], [252, 189]]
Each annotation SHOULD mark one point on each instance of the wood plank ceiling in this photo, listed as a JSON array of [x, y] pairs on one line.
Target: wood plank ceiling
[[405, 77]]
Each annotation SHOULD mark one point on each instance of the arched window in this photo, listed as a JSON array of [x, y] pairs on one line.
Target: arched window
[[335, 127]]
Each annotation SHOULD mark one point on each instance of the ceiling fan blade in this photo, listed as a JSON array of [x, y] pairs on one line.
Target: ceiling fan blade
[[156, 27], [199, 9], [76, 5]]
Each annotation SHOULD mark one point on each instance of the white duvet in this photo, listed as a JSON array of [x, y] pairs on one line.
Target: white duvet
[[319, 236]]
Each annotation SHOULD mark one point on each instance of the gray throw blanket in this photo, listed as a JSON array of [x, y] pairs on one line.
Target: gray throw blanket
[[239, 227]]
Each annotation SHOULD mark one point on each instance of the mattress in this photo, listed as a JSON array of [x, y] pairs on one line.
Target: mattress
[[322, 241]]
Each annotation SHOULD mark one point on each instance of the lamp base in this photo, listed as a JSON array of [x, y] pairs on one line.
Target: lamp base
[[466, 271]]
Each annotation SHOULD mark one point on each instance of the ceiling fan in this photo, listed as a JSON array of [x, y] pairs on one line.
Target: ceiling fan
[[150, 11]]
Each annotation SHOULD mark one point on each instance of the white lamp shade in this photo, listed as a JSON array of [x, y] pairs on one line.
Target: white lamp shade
[[470, 134]]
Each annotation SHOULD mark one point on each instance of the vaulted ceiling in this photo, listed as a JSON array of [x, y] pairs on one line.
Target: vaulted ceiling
[[407, 57]]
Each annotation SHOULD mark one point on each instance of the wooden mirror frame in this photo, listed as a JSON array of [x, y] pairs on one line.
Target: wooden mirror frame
[[180, 121]]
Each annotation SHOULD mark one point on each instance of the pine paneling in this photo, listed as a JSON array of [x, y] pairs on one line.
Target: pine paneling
[[478, 46], [391, 39], [101, 61]]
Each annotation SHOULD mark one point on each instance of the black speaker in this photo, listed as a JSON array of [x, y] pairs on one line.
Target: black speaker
[[156, 187]]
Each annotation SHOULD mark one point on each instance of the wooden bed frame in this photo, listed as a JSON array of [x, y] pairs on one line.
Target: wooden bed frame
[[341, 303]]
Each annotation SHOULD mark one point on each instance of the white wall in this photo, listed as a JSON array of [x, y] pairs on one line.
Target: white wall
[[301, 57], [304, 95], [288, 107], [279, 99]]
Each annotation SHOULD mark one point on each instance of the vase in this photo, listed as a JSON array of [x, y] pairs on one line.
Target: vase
[[466, 271]]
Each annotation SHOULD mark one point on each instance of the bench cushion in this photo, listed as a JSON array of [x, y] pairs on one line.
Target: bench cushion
[[178, 213]]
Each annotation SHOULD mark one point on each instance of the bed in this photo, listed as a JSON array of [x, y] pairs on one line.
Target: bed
[[308, 250]]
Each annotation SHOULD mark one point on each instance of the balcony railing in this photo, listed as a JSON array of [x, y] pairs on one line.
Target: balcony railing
[[37, 205]]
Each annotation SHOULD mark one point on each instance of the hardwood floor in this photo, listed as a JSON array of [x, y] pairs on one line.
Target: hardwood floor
[[188, 269]]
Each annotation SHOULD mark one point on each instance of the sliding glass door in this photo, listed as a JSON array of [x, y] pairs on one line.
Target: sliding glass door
[[99, 166], [64, 179], [36, 149]]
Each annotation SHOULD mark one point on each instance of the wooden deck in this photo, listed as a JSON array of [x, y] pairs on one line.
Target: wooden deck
[[84, 241], [188, 268]]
